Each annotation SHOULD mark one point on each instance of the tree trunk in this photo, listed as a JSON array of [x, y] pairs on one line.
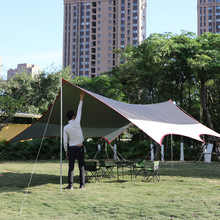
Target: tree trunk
[[189, 97], [203, 103]]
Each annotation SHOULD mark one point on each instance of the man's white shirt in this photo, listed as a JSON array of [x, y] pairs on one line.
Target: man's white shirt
[[72, 132]]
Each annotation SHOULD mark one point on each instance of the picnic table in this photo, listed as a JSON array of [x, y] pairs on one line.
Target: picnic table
[[122, 165]]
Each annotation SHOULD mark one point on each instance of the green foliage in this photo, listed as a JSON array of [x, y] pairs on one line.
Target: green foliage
[[177, 67], [8, 107], [133, 149], [35, 94], [28, 150], [184, 68], [103, 85]]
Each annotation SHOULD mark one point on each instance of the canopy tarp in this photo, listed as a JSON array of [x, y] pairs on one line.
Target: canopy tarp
[[107, 118]]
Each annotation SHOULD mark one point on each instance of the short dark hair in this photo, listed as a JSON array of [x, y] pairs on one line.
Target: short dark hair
[[70, 114]]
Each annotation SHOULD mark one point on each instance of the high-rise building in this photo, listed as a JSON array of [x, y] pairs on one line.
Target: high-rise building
[[30, 69], [92, 29], [208, 16]]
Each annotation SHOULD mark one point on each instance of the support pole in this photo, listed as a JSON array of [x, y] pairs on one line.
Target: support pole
[[172, 153], [208, 153], [115, 150], [181, 149], [61, 133], [152, 151], [162, 152]]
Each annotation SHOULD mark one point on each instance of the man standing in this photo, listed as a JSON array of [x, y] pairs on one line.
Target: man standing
[[72, 135]]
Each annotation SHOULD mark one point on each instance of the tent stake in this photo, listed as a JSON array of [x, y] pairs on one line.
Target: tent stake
[[61, 134]]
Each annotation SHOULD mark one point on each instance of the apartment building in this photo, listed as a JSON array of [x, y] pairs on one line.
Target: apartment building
[[93, 29], [208, 16], [31, 69]]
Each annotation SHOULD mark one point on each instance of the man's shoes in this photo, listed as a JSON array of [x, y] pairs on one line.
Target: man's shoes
[[82, 186], [69, 188]]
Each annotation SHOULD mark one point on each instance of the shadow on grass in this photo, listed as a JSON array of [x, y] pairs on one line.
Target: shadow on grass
[[14, 182], [114, 181]]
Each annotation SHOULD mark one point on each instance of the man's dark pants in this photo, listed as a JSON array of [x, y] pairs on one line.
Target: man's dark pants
[[73, 153]]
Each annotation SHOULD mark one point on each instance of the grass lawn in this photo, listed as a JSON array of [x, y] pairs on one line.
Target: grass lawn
[[191, 191]]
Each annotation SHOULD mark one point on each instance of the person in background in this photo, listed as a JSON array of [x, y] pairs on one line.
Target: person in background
[[73, 144]]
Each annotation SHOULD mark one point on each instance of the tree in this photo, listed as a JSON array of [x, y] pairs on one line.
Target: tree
[[182, 48], [141, 67], [38, 92], [166, 66], [8, 107], [206, 63]]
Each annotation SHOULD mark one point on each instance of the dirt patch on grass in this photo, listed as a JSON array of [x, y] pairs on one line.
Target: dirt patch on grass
[[213, 181], [6, 171]]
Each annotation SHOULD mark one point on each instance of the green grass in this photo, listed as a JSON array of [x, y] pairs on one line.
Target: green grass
[[191, 191]]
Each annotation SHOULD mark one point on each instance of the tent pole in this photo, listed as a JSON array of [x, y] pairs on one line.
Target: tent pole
[[172, 153], [61, 134]]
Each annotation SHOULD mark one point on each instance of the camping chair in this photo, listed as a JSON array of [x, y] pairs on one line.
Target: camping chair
[[107, 170], [91, 171], [138, 167], [151, 174]]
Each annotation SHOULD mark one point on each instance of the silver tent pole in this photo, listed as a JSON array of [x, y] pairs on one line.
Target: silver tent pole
[[172, 153], [61, 134]]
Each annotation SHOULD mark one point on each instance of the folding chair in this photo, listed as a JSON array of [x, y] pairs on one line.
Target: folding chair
[[91, 171], [107, 170], [138, 167], [151, 174]]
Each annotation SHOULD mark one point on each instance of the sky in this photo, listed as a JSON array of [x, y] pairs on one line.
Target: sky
[[32, 31]]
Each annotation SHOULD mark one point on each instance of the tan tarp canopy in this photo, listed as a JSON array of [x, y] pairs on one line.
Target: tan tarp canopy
[[107, 118]]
